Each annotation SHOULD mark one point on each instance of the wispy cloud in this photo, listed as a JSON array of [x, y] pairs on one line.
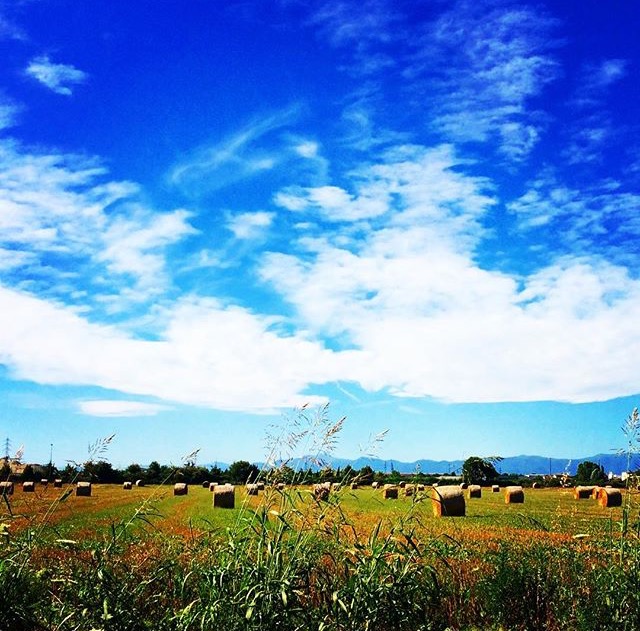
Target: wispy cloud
[[486, 66], [117, 408], [62, 211], [59, 78], [239, 156]]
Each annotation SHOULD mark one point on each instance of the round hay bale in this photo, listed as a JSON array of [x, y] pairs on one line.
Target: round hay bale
[[139, 482], [583, 492], [596, 492], [180, 488], [212, 486], [224, 496], [353, 486], [402, 484], [127, 486], [83, 489], [464, 485], [321, 491], [260, 486], [409, 490], [535, 485], [335, 486], [475, 490], [44, 482], [514, 495], [28, 487], [6, 487], [205, 484], [434, 485], [495, 488], [375, 485], [252, 489], [281, 486], [390, 492], [448, 501], [609, 497], [420, 487], [57, 483]]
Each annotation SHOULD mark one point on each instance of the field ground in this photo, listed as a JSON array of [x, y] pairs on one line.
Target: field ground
[[145, 559]]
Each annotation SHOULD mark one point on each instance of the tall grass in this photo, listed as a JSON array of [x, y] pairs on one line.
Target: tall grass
[[292, 562]]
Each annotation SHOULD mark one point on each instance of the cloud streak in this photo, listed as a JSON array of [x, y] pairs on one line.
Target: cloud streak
[[59, 78]]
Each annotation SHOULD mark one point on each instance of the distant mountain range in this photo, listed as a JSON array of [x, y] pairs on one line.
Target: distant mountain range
[[521, 465]]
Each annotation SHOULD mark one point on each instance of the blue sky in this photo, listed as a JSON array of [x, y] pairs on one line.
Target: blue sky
[[425, 213]]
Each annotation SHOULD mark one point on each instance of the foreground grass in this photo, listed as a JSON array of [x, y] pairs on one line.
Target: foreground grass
[[129, 561]]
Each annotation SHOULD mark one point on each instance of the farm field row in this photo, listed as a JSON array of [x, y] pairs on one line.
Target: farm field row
[[545, 511]]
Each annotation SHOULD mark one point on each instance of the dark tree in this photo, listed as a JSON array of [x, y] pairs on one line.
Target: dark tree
[[590, 473], [242, 471], [477, 470]]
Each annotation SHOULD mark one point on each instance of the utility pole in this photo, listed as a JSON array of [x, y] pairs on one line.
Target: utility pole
[[7, 448]]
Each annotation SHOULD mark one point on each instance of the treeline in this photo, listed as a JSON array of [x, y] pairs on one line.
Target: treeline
[[242, 471]]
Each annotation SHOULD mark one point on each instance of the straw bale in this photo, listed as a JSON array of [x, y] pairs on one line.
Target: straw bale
[[596, 492], [448, 501], [335, 486], [514, 495], [252, 489], [127, 486], [583, 492], [609, 497], [139, 482], [464, 485], [402, 484], [420, 487], [535, 485], [28, 487], [375, 485], [260, 486], [353, 486], [83, 489], [409, 490], [224, 496], [212, 486], [321, 491], [475, 490], [44, 482], [205, 484], [57, 483], [180, 488], [6, 487], [495, 488], [390, 492]]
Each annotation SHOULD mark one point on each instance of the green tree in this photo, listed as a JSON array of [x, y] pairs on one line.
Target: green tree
[[28, 473], [590, 473], [153, 473], [365, 475], [242, 471], [476, 470]]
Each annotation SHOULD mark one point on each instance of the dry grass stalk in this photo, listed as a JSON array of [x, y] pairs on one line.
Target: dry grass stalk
[[448, 501]]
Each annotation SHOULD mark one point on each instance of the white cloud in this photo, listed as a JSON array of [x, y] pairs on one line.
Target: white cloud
[[56, 77], [207, 356], [250, 225], [307, 149], [63, 209], [117, 408]]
